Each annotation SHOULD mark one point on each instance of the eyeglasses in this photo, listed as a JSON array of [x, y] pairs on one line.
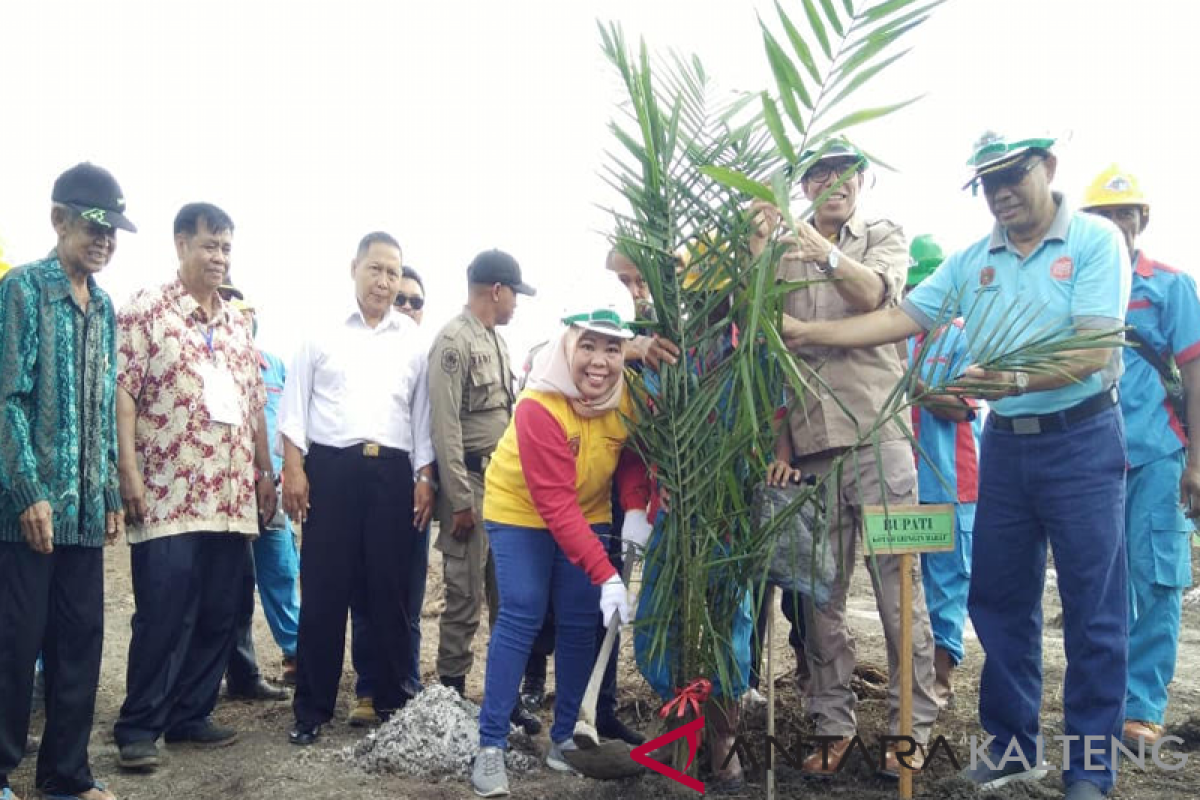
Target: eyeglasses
[[1009, 176], [415, 302], [820, 172], [94, 230]]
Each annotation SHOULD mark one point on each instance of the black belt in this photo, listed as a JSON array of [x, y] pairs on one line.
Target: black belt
[[476, 462], [366, 450], [1059, 420]]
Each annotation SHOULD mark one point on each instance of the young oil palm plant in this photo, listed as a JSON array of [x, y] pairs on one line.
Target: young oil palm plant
[[687, 165]]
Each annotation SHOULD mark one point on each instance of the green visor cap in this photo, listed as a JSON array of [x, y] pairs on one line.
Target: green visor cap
[[838, 147], [994, 152], [603, 321]]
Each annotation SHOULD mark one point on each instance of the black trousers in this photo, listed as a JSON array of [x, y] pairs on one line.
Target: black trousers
[[242, 674], [359, 528], [186, 589], [54, 604], [543, 645]]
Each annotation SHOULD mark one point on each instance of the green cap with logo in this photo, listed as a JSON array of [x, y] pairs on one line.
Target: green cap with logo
[[994, 151], [836, 147], [924, 257], [603, 321]]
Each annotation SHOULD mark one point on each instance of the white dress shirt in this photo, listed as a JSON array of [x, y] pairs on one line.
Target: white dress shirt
[[352, 384]]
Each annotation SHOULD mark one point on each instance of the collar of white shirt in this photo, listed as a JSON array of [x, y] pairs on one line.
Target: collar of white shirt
[[352, 314]]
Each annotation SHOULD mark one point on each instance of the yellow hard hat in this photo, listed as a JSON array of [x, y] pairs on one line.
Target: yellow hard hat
[[1114, 187], [239, 304], [4, 265], [693, 279]]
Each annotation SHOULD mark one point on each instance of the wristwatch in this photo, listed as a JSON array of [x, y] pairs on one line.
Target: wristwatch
[[835, 255], [423, 478], [1021, 379]]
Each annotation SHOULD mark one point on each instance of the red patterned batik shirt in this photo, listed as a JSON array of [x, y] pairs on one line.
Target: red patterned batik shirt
[[198, 472]]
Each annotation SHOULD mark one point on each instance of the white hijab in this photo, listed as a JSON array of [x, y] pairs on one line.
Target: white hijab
[[551, 372]]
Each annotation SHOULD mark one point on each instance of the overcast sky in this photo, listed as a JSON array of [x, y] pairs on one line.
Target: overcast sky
[[460, 126]]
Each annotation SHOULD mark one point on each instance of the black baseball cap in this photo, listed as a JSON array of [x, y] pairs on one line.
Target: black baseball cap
[[94, 193], [496, 266]]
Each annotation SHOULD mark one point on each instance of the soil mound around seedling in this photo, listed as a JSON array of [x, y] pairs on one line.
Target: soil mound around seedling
[[435, 736]]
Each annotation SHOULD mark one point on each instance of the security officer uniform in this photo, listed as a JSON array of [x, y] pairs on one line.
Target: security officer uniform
[[471, 389]]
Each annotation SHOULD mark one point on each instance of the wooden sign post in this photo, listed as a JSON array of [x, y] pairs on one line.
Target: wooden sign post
[[903, 531]]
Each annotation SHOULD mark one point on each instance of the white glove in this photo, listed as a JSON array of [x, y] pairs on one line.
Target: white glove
[[636, 530], [614, 599]]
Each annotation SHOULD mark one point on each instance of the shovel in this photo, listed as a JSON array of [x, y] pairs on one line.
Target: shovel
[[610, 758]]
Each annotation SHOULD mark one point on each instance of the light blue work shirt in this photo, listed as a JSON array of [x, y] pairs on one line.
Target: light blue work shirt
[[1077, 278], [273, 375], [1165, 310]]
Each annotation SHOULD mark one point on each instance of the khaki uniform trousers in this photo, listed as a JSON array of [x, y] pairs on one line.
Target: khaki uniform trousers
[[830, 646], [469, 576]]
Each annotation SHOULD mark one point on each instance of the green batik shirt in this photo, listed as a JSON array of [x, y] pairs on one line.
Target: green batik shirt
[[58, 424]]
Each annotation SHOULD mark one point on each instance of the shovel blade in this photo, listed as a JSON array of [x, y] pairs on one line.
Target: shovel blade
[[610, 760]]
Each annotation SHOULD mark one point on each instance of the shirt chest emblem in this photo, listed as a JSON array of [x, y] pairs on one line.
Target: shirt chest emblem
[[1062, 269], [987, 276], [573, 445]]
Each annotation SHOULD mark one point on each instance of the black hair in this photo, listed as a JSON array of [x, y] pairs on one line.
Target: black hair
[[411, 274], [188, 219], [378, 237]]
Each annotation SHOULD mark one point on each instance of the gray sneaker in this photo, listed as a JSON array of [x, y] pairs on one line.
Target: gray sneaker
[[1084, 790], [986, 777], [488, 776], [556, 758]]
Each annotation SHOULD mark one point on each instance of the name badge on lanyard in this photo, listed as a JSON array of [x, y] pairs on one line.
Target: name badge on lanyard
[[220, 392]]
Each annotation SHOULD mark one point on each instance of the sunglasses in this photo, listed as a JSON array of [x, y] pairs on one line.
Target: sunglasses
[[822, 170], [1009, 176], [94, 230], [415, 302]]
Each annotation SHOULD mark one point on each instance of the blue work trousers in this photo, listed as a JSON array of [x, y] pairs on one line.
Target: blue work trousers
[[1158, 541], [531, 569], [1067, 488], [947, 579]]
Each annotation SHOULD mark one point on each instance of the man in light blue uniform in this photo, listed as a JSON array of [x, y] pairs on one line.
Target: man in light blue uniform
[[947, 428], [1053, 456], [1165, 313], [276, 561]]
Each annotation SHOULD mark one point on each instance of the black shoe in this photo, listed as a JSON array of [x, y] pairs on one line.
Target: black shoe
[[304, 735], [205, 734], [260, 690], [458, 684], [526, 721], [613, 728], [139, 756]]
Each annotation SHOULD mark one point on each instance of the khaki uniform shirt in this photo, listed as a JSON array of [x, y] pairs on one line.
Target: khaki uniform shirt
[[471, 392], [861, 378]]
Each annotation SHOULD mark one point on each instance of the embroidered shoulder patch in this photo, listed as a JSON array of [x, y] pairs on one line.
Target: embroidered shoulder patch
[[450, 361]]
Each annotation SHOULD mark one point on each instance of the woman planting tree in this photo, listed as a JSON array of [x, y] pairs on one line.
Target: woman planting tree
[[546, 503]]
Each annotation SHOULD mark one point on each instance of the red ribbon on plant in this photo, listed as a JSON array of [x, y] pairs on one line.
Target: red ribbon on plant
[[689, 697]]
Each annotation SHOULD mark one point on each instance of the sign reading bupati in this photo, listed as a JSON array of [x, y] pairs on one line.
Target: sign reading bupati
[[908, 529]]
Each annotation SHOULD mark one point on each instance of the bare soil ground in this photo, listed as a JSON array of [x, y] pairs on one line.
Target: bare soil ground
[[263, 765]]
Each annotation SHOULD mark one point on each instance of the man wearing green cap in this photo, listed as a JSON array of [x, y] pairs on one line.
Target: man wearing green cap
[[851, 265], [947, 429], [59, 497], [1053, 456]]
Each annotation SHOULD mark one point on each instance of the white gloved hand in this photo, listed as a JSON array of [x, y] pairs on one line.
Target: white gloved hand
[[614, 599], [636, 530]]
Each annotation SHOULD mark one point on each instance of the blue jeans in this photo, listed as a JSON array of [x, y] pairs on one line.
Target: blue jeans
[[1158, 538], [947, 579], [530, 570], [277, 566], [362, 650], [1066, 488]]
